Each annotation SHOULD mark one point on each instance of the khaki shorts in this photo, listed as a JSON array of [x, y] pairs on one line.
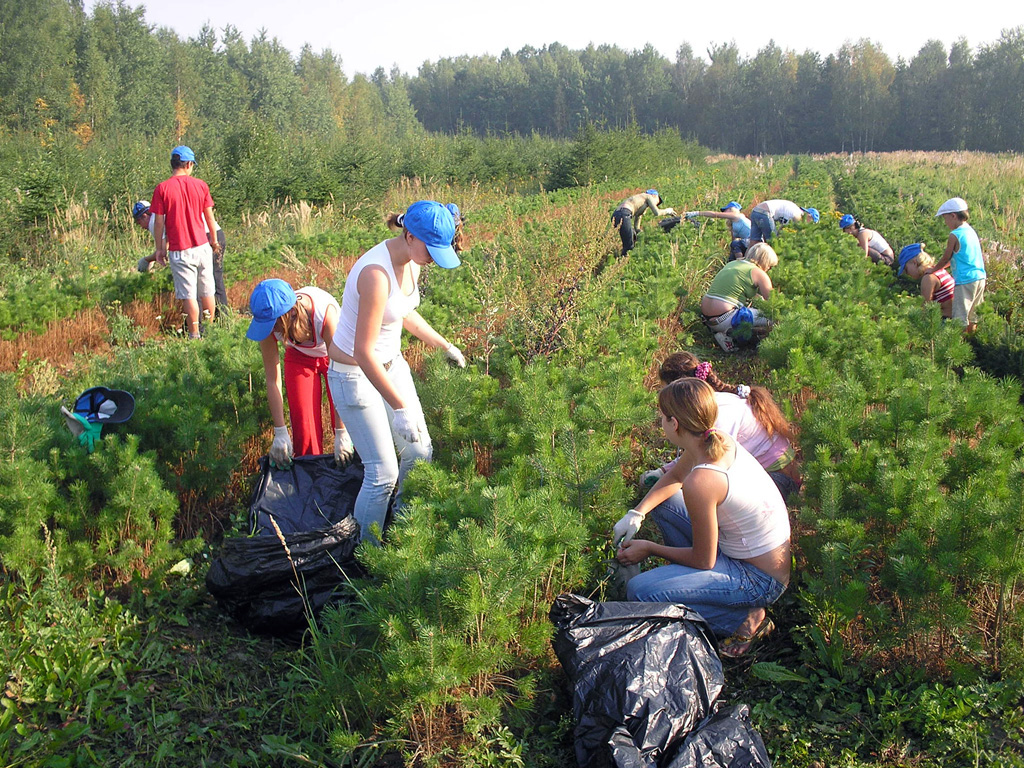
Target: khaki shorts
[[966, 299], [192, 270]]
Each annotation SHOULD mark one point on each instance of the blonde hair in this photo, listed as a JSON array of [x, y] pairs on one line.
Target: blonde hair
[[296, 325], [923, 260], [763, 255], [691, 402]]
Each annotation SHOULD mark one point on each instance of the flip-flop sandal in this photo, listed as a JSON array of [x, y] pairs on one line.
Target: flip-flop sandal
[[737, 645]]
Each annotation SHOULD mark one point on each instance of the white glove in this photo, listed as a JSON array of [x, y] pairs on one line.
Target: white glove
[[408, 425], [627, 527], [455, 355], [691, 215], [343, 448], [651, 476], [668, 211], [281, 450]]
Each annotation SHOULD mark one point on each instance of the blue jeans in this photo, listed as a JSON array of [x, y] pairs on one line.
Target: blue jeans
[[368, 419], [762, 227], [622, 220], [723, 595]]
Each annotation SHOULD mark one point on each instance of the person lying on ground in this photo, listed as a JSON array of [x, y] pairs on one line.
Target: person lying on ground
[[724, 523]]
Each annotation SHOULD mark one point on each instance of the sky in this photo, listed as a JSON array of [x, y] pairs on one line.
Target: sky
[[406, 33]]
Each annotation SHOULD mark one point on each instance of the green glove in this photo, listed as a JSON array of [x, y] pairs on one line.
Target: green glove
[[86, 432]]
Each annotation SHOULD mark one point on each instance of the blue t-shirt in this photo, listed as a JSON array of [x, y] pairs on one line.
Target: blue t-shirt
[[741, 228], [968, 263]]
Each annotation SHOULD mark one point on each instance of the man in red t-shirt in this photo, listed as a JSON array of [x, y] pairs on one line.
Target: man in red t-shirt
[[179, 205]]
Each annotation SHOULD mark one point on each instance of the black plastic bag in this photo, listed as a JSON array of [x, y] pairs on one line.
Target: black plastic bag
[[271, 589], [645, 679]]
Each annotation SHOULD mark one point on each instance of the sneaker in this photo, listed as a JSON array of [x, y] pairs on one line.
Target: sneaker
[[725, 342]]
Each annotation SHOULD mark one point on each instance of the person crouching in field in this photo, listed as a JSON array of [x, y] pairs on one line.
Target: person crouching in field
[[733, 289], [723, 521], [747, 414], [766, 216], [875, 246], [739, 226], [180, 205], [967, 263], [935, 286], [459, 241], [304, 321], [627, 215]]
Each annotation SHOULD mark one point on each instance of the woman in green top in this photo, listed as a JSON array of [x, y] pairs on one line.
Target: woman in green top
[[736, 285]]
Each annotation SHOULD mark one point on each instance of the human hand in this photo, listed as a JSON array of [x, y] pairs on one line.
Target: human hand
[[161, 256], [343, 448], [633, 552], [669, 211], [691, 215], [455, 355], [627, 527], [408, 425], [651, 476], [281, 449]]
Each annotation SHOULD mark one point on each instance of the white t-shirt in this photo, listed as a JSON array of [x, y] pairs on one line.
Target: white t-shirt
[[322, 300], [389, 340], [784, 211], [737, 420]]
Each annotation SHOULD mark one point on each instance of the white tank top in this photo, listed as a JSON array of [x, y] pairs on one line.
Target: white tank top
[[878, 242], [322, 300], [752, 519], [389, 340]]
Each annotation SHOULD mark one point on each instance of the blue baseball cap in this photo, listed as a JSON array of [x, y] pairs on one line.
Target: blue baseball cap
[[454, 210], [733, 204], [908, 254], [270, 299], [184, 154], [846, 221], [813, 213], [140, 208], [653, 192], [432, 223]]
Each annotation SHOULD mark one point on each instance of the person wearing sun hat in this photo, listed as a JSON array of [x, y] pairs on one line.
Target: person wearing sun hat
[[303, 321], [935, 286], [181, 206], [768, 214], [370, 381], [875, 246], [966, 263], [628, 213]]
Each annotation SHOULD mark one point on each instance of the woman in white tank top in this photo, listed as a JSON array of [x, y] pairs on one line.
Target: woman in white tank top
[[370, 381], [875, 246], [725, 526]]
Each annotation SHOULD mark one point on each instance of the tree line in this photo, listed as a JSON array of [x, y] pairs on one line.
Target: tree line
[[109, 73]]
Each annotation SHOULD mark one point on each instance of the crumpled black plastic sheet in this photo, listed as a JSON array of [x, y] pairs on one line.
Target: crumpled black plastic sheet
[[254, 577], [645, 678]]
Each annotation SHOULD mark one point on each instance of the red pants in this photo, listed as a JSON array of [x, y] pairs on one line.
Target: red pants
[[304, 378]]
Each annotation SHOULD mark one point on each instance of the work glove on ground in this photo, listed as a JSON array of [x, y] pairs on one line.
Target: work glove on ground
[[343, 448], [409, 425], [627, 527], [281, 450], [651, 476], [455, 355]]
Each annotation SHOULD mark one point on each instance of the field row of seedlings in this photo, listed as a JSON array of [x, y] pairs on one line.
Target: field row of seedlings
[[910, 538]]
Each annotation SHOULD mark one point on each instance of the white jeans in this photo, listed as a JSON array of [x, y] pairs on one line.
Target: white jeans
[[369, 420]]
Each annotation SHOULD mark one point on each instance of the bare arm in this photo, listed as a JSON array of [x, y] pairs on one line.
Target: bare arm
[[762, 282], [422, 330], [952, 245], [158, 238], [211, 225], [272, 372], [730, 214], [928, 285], [327, 334], [373, 287], [864, 238]]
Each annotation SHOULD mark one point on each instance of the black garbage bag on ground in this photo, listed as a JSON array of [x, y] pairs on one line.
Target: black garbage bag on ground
[[645, 678], [254, 578], [725, 740]]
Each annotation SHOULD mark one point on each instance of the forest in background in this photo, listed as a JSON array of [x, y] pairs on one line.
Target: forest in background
[[109, 74]]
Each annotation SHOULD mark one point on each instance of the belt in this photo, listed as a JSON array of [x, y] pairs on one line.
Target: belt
[[346, 368]]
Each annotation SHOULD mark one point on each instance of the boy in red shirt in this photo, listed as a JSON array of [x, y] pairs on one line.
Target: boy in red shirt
[[180, 204]]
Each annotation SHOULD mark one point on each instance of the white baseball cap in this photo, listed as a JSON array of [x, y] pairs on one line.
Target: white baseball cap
[[953, 205]]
